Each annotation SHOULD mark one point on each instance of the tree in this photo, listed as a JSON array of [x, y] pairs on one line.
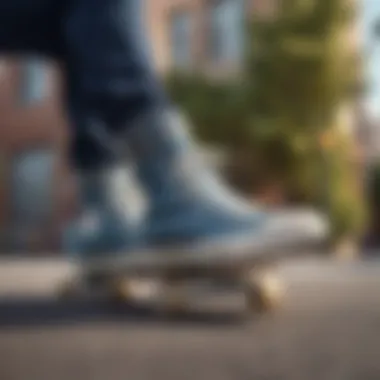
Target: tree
[[303, 71], [374, 199]]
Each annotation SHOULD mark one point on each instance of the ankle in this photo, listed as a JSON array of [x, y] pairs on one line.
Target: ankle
[[97, 187]]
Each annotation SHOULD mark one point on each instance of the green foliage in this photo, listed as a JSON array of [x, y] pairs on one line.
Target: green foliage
[[375, 186], [299, 71], [218, 110], [346, 204], [374, 196]]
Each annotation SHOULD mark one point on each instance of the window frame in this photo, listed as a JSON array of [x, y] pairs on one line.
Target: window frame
[[12, 163], [222, 57], [172, 14]]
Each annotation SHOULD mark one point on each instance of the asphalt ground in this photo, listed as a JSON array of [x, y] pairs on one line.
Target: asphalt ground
[[327, 328]]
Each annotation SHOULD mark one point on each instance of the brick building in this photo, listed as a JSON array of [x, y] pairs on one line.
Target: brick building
[[201, 34], [37, 194], [34, 175]]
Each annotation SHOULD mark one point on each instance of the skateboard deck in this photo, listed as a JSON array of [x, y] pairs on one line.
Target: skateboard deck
[[166, 275]]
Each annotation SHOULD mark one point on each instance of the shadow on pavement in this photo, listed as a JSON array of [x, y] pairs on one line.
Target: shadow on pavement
[[31, 313]]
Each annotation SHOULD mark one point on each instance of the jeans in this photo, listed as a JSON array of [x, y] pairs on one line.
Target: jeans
[[104, 54]]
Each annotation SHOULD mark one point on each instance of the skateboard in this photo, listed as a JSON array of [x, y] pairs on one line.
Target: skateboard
[[162, 279]]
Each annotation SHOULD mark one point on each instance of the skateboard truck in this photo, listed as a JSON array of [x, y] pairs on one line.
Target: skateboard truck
[[165, 288]]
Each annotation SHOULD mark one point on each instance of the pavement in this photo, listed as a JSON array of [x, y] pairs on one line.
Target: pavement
[[328, 328]]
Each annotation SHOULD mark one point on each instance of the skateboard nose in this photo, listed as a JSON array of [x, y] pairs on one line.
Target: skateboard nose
[[305, 224]]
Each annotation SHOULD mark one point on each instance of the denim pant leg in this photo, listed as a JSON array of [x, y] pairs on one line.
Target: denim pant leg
[[30, 26], [110, 77]]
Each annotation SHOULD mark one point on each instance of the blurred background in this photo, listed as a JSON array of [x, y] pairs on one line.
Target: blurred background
[[283, 93], [285, 97]]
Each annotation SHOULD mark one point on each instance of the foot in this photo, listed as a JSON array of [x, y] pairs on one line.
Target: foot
[[106, 227], [191, 210]]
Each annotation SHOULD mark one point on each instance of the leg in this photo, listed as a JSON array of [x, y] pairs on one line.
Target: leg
[[111, 80], [107, 86], [116, 100]]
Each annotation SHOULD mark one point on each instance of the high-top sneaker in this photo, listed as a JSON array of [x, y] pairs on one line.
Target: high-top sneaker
[[193, 213]]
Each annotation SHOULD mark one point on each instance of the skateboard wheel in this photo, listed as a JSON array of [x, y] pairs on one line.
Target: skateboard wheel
[[121, 290], [174, 307], [173, 301], [263, 292]]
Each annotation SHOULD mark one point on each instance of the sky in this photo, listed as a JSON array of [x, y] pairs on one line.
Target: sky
[[370, 11]]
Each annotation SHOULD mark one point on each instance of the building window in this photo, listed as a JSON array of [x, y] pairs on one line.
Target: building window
[[226, 31], [33, 82], [32, 187], [181, 39]]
